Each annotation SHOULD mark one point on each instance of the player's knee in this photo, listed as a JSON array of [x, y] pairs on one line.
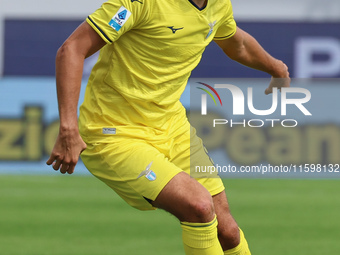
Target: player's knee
[[202, 210]]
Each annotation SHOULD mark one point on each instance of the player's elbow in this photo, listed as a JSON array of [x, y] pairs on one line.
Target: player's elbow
[[237, 54], [68, 50], [235, 51], [63, 51]]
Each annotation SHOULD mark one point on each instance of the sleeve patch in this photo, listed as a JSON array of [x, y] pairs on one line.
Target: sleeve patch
[[119, 19]]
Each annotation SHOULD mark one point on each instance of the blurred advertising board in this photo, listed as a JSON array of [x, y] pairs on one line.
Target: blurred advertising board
[[269, 131], [29, 124]]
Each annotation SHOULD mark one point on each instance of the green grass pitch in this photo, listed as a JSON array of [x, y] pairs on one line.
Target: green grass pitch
[[71, 215]]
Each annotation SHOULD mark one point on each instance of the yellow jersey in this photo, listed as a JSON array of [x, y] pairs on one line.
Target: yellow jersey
[[152, 47]]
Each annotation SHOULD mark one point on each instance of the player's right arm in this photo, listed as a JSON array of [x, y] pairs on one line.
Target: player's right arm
[[82, 43], [244, 48]]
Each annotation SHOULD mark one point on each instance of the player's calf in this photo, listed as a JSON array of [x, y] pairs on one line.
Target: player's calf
[[230, 236]]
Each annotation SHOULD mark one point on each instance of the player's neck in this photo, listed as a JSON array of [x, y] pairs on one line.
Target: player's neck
[[200, 3]]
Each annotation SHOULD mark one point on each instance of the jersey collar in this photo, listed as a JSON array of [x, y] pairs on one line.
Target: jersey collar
[[198, 8]]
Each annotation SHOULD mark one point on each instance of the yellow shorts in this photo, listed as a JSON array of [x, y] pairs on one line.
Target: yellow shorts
[[137, 170]]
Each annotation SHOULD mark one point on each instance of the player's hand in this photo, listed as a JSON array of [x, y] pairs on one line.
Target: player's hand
[[281, 80], [66, 151]]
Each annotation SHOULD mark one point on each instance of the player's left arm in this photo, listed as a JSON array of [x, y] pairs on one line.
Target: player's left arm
[[244, 48]]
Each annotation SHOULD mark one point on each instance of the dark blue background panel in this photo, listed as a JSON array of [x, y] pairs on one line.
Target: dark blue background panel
[[279, 39], [31, 45]]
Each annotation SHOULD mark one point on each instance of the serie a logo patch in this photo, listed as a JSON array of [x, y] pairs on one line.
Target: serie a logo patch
[[119, 19]]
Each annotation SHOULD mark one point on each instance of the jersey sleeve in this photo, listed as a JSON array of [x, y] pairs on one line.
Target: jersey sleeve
[[116, 17], [228, 27]]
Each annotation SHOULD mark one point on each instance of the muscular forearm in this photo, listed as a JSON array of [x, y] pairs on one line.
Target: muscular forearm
[[254, 56], [69, 68], [244, 49]]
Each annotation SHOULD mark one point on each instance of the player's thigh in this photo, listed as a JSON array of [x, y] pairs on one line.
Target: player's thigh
[[192, 157], [134, 169]]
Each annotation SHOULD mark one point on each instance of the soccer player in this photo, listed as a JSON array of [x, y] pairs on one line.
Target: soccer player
[[133, 132]]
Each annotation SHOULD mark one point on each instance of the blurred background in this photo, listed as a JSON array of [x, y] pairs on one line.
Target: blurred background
[[42, 212], [304, 34]]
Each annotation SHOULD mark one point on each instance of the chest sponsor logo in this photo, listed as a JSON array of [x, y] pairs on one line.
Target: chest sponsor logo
[[174, 30]]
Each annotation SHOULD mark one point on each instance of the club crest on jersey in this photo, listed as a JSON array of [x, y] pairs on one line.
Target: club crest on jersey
[[211, 25], [148, 173], [119, 19]]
